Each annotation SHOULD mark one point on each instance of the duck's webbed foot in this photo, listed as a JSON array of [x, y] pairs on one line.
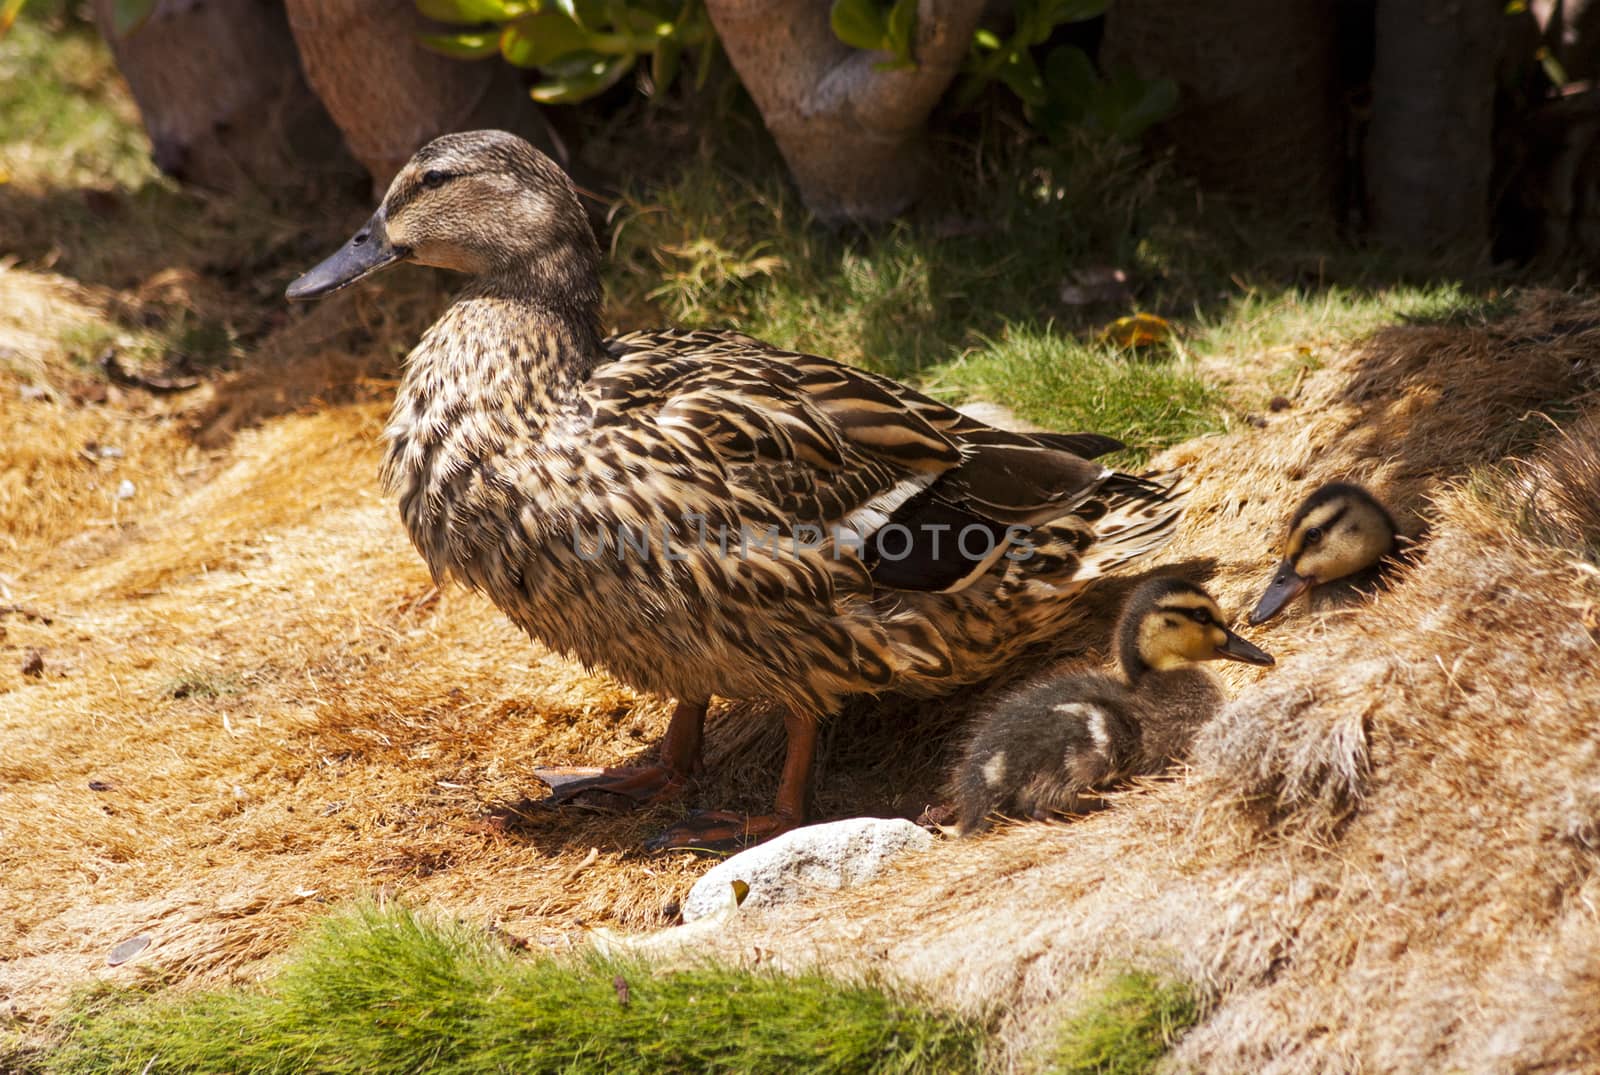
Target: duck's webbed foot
[[720, 831], [641, 784]]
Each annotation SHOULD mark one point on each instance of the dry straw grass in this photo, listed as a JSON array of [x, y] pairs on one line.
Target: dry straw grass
[[1383, 856], [254, 704]]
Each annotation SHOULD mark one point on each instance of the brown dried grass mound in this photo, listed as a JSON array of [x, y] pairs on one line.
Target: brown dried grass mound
[[1384, 855], [254, 704]]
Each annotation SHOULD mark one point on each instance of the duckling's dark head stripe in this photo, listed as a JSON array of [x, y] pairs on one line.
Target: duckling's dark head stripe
[[1326, 494], [1300, 545]]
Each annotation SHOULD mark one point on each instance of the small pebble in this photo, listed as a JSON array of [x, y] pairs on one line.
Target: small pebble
[[125, 490], [1279, 403], [33, 664], [127, 950]]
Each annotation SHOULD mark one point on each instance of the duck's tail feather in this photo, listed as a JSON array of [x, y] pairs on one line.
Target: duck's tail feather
[[1141, 516]]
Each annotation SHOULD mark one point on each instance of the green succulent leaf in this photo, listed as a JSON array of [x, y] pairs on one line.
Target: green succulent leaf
[[860, 24], [471, 45], [128, 15], [1130, 105], [539, 40], [1553, 68], [903, 31], [1060, 11], [1070, 82], [589, 14], [664, 63], [638, 22], [471, 12], [578, 78], [1022, 75]]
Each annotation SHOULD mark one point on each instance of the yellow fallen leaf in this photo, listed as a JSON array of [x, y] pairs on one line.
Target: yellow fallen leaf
[[1138, 330]]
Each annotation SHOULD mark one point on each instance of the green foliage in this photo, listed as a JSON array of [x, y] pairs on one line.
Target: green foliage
[[1065, 92], [383, 991], [581, 48], [1125, 1027], [863, 24]]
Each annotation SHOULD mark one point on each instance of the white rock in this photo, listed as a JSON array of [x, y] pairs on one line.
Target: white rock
[[817, 858], [125, 490]]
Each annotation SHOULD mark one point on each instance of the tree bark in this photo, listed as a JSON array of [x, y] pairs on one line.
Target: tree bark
[[853, 136], [388, 94], [1429, 150], [219, 88], [1258, 101]]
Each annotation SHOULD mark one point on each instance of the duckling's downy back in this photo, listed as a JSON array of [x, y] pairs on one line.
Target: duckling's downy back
[[1053, 745]]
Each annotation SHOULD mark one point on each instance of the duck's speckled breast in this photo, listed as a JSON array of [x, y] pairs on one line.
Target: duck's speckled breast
[[587, 541]]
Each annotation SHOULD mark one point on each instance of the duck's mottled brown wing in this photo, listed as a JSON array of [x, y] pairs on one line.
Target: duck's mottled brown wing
[[833, 446]]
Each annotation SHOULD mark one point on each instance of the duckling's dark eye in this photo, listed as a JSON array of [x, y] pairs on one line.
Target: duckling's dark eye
[[1313, 535], [433, 179], [1201, 615]]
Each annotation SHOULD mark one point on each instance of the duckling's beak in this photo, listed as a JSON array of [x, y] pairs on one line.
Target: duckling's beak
[[367, 251], [1237, 649], [1286, 586]]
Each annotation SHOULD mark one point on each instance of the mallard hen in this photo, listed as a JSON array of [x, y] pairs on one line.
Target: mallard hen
[[700, 513], [1051, 746], [1339, 533]]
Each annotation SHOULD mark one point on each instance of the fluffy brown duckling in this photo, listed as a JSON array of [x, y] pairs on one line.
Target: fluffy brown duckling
[[1340, 532], [700, 513], [1050, 746]]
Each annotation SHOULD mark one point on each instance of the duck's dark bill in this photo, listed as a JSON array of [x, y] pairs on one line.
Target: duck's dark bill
[[1285, 587], [1237, 649], [367, 251]]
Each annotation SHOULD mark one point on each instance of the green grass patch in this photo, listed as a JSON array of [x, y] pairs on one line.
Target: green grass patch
[[966, 294], [384, 991], [1125, 1027], [62, 112], [1062, 383], [713, 246]]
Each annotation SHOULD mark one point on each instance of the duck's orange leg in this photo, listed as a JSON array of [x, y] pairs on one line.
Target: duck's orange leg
[[680, 761], [721, 830]]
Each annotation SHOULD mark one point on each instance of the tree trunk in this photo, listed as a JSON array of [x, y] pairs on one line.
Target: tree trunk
[[220, 91], [388, 94], [852, 135], [1429, 150], [1258, 101]]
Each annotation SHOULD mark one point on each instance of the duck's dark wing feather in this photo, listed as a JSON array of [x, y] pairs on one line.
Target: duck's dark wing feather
[[832, 446]]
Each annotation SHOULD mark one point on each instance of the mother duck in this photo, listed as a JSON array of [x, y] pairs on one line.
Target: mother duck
[[700, 513]]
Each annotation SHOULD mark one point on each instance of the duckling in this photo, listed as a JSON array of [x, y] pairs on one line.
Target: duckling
[[700, 513], [1050, 746], [1340, 531]]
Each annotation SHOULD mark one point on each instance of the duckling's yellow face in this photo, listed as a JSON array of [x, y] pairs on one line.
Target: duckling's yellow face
[[478, 202], [1181, 623], [1339, 531]]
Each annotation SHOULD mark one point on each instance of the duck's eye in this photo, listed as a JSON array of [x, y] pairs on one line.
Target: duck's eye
[[1313, 535], [1201, 615], [433, 179]]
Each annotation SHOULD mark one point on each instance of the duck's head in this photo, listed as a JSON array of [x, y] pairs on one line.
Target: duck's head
[[1338, 531], [484, 203], [1167, 623]]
